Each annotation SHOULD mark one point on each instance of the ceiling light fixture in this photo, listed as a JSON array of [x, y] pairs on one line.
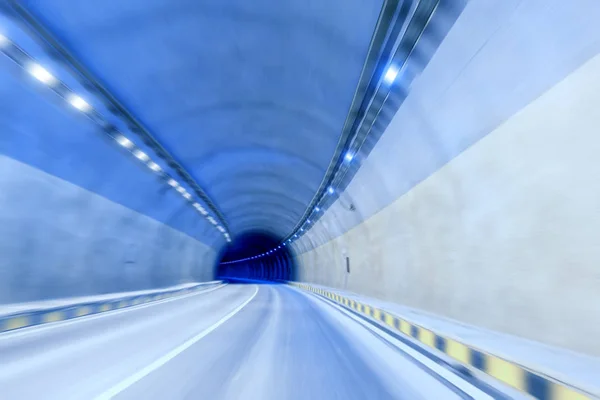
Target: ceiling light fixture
[[390, 75], [37, 71], [41, 74], [140, 155], [123, 141], [153, 166], [79, 103]]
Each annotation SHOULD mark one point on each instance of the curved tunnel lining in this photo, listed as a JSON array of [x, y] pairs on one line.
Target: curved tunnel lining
[[245, 259]]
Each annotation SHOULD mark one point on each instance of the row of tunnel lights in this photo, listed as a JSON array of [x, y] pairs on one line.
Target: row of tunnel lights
[[42, 75], [348, 157], [389, 77], [45, 77]]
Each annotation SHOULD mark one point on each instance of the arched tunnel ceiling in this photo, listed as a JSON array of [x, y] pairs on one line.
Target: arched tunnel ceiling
[[251, 96]]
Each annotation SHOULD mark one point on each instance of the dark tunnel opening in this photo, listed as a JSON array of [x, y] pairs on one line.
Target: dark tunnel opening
[[237, 262]]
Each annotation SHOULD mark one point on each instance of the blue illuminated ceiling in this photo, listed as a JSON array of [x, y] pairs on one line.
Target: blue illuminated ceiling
[[250, 96]]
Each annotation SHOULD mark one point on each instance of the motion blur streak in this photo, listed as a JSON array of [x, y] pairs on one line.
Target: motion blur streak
[[299, 199], [282, 344]]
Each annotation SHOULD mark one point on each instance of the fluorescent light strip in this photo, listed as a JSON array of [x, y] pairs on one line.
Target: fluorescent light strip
[[200, 209], [79, 103], [123, 141], [41, 74], [389, 78], [391, 74], [140, 155], [44, 76]]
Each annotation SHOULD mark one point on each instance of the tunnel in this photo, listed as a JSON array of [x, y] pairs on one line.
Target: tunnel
[[257, 256], [299, 199]]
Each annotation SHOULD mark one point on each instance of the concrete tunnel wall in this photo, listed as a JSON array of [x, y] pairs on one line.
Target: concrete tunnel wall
[[479, 203], [78, 216], [502, 235], [58, 240]]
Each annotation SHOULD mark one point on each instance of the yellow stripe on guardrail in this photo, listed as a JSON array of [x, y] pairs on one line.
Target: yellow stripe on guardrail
[[81, 311], [16, 323], [105, 307], [537, 385], [53, 316]]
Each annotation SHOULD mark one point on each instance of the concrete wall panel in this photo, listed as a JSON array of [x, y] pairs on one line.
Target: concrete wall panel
[[504, 236], [58, 240]]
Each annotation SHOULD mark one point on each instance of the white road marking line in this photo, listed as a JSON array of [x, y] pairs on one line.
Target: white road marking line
[[35, 329], [124, 384]]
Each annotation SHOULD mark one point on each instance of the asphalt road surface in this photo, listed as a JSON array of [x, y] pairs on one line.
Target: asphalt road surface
[[238, 341]]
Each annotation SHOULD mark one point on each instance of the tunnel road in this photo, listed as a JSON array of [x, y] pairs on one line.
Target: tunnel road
[[238, 341]]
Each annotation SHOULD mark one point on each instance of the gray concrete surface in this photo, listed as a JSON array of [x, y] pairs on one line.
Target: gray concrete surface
[[504, 235], [59, 240], [283, 344]]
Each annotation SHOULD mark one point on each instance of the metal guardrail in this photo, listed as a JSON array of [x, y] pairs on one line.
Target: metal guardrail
[[23, 319], [535, 384]]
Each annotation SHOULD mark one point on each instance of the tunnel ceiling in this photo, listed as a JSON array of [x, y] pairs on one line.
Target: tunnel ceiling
[[250, 96]]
